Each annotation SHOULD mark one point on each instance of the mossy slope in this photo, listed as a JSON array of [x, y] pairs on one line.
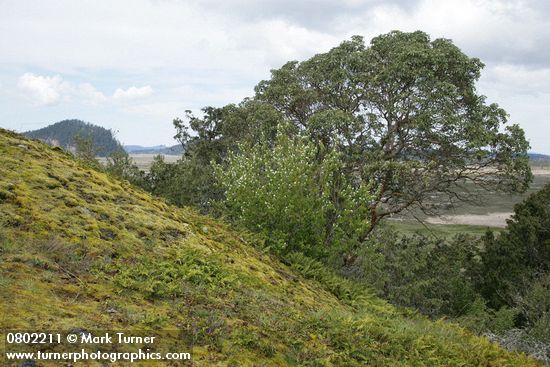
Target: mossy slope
[[81, 250]]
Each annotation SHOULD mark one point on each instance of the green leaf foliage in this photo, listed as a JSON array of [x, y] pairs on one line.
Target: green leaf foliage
[[521, 253], [299, 201], [405, 113]]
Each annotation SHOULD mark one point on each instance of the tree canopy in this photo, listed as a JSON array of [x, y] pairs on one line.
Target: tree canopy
[[407, 115], [403, 113], [71, 133]]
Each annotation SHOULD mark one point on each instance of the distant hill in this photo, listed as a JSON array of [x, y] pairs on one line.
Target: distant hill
[[539, 157], [158, 149], [63, 134]]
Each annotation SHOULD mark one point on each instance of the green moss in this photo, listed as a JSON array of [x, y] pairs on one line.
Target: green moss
[[80, 249]]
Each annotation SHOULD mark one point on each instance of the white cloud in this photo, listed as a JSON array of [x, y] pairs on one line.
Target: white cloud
[[50, 90], [42, 90], [517, 79], [155, 34], [132, 93]]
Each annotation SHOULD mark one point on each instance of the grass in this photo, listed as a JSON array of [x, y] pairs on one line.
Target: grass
[[439, 230], [81, 250], [498, 202]]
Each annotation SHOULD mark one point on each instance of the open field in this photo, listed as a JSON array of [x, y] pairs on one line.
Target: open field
[[439, 230], [144, 161], [494, 204], [493, 210], [497, 219]]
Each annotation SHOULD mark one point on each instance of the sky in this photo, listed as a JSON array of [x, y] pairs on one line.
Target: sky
[[134, 65]]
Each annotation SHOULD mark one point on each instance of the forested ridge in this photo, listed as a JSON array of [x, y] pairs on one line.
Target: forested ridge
[[69, 133]]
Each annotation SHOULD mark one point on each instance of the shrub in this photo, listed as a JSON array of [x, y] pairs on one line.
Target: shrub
[[431, 275], [295, 195], [521, 253]]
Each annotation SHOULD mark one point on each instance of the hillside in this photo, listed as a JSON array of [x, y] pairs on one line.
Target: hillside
[[63, 134], [539, 158], [82, 251]]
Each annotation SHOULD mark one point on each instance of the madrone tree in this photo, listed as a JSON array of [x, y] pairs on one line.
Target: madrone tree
[[407, 117], [403, 114]]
